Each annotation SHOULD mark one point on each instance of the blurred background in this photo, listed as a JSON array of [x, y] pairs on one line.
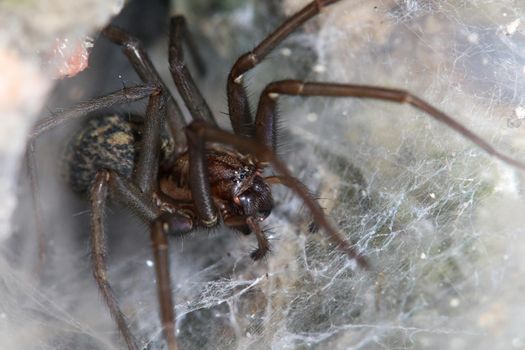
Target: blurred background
[[438, 219]]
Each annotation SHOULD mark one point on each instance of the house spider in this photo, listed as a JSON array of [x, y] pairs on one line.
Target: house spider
[[210, 175]]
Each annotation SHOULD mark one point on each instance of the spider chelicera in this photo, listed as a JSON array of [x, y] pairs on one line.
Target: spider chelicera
[[208, 175]]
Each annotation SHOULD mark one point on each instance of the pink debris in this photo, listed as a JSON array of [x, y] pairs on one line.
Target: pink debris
[[67, 61]]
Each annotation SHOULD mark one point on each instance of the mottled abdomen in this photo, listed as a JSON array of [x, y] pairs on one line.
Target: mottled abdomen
[[105, 142]]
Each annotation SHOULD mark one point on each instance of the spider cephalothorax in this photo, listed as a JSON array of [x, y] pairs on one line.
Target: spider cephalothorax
[[237, 186]]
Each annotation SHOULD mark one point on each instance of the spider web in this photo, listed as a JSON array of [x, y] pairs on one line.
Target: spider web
[[440, 221]]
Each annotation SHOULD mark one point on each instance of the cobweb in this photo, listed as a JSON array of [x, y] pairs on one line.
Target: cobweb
[[440, 221]]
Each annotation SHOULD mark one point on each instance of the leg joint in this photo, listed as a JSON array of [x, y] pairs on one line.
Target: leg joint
[[211, 222]]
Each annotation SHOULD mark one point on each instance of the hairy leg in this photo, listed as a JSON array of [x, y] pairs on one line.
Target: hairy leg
[[267, 115], [98, 198], [126, 95], [159, 241], [199, 183], [169, 223], [141, 62], [187, 88], [263, 246], [37, 206], [238, 104], [147, 166]]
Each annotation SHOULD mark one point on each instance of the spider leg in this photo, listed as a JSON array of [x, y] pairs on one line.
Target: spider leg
[[98, 198], [238, 104], [126, 95], [164, 289], [189, 92], [199, 183], [141, 62], [266, 113], [172, 223], [148, 161], [37, 205], [202, 132], [132, 197], [262, 241]]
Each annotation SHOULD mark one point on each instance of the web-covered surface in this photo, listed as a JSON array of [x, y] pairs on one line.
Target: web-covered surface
[[438, 219]]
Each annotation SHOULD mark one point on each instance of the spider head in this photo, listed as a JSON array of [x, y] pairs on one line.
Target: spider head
[[256, 201]]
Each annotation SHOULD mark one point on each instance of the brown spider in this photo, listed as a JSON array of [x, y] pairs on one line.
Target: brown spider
[[210, 175]]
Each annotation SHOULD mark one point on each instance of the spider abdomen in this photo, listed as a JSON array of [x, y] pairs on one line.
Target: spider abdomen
[[105, 142]]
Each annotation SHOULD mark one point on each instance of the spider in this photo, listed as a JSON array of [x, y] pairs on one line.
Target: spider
[[209, 176]]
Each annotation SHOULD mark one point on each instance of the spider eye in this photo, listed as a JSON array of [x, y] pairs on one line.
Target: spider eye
[[241, 175]]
